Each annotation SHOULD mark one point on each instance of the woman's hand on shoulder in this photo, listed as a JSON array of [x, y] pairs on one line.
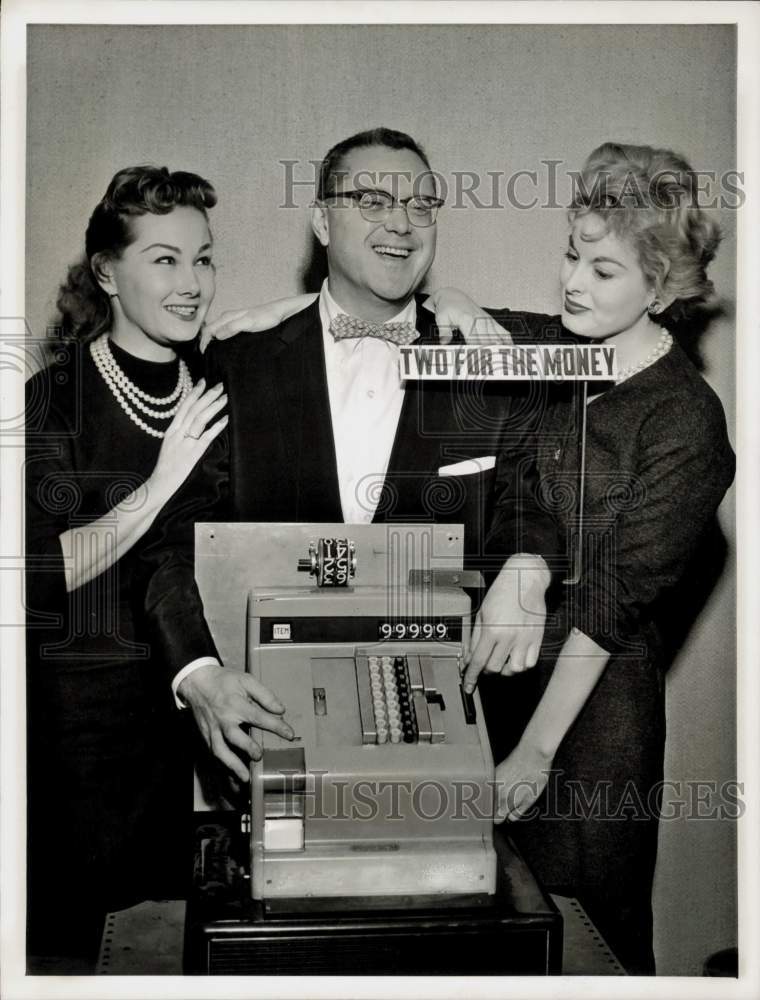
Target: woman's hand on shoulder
[[253, 319], [454, 309], [187, 438]]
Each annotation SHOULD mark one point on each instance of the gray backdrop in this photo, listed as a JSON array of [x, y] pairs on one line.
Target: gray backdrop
[[232, 102]]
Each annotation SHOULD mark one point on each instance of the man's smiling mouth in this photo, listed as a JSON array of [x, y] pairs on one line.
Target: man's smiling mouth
[[389, 251]]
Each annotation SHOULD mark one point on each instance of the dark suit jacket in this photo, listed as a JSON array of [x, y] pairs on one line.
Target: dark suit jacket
[[276, 462]]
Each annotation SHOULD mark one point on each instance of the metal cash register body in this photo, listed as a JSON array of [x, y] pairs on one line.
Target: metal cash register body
[[369, 847], [359, 630]]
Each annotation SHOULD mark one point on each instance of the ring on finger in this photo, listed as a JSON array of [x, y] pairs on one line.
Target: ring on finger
[[193, 436]]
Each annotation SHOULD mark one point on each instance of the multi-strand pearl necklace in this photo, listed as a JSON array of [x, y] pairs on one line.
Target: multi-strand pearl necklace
[[660, 349], [131, 398]]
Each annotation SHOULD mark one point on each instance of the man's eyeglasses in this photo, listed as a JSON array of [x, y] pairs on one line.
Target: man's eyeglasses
[[376, 206]]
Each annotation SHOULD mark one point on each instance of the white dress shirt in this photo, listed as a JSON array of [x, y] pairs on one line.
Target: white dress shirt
[[366, 395]]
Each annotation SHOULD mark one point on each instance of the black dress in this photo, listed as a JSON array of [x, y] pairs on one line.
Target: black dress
[[109, 776], [658, 463]]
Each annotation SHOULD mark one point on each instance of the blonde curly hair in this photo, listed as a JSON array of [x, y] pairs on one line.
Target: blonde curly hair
[[650, 197]]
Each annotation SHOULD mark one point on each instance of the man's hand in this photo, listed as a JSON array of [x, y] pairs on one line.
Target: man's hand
[[509, 626], [223, 700]]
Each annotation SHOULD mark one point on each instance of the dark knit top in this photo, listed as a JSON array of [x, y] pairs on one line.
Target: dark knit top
[[84, 455], [658, 463]]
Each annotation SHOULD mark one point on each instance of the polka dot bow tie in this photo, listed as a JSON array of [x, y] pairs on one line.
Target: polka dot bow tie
[[347, 327]]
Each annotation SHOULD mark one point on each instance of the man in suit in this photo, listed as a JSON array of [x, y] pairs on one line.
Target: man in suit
[[322, 429]]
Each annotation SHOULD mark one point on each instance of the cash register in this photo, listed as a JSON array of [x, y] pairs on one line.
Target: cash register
[[368, 844]]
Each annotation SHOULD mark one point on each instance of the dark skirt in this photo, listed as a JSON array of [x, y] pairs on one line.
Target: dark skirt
[[593, 832], [109, 801]]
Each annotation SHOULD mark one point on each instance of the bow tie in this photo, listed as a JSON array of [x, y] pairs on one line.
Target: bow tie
[[345, 327]]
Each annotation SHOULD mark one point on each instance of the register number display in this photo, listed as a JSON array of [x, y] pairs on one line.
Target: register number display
[[315, 630]]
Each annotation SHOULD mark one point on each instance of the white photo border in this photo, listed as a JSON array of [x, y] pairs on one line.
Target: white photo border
[[16, 15]]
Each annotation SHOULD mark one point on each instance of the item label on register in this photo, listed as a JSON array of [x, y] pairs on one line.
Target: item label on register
[[280, 630]]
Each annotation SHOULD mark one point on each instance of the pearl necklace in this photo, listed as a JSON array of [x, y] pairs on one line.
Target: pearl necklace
[[128, 394], [660, 349]]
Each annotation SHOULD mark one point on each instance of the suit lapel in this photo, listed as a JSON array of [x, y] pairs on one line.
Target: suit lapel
[[303, 413], [427, 420], [425, 414]]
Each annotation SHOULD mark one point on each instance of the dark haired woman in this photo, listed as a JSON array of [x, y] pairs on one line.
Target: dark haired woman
[[657, 465], [114, 427]]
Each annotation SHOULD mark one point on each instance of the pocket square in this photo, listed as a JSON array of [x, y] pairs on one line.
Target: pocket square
[[468, 467]]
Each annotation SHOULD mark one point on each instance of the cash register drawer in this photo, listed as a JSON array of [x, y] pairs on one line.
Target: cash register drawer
[[422, 947]]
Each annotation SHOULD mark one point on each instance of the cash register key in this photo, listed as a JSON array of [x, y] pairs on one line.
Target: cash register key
[[415, 674]]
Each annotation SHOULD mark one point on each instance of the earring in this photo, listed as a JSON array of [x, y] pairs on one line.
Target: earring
[[653, 308]]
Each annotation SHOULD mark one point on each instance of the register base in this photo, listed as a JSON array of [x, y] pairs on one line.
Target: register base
[[516, 931]]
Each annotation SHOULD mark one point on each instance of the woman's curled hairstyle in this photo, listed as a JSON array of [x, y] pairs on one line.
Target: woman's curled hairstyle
[[651, 198], [84, 307]]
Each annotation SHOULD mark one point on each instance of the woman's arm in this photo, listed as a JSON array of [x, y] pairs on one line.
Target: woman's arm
[[91, 549], [654, 518], [455, 310], [522, 776], [254, 318]]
